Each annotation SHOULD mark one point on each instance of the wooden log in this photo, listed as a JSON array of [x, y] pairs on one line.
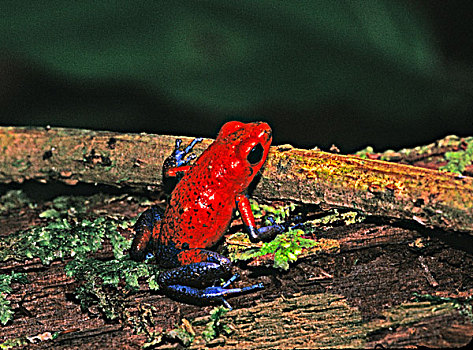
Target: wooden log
[[429, 197]]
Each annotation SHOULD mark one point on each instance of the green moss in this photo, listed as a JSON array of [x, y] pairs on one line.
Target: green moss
[[6, 313], [105, 283], [72, 232], [364, 152], [459, 160], [285, 247], [215, 327], [283, 250], [14, 343], [12, 200], [288, 247], [61, 238]]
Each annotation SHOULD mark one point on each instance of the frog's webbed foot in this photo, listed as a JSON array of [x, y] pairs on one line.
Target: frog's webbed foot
[[209, 295], [266, 233]]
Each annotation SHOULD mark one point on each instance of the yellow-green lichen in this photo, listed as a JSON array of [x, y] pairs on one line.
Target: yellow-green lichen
[[459, 160]]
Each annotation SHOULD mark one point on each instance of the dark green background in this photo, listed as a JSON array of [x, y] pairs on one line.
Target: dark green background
[[354, 73]]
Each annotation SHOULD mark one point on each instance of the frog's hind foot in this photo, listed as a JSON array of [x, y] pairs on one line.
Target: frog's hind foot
[[209, 295]]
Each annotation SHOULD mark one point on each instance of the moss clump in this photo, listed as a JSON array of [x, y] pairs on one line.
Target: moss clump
[[105, 283], [62, 238], [71, 231], [289, 246], [6, 313], [364, 152], [215, 327], [459, 160], [285, 249]]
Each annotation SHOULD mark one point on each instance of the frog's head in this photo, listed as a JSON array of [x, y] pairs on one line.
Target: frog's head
[[247, 145]]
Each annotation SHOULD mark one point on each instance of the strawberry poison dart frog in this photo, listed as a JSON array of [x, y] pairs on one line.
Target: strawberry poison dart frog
[[199, 212]]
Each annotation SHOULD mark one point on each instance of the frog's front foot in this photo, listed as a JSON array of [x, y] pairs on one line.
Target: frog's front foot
[[209, 295], [182, 157], [268, 233]]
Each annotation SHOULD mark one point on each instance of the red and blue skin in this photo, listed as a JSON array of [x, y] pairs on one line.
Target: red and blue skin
[[199, 212]]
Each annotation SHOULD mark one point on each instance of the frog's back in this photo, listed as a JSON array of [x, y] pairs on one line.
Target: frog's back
[[201, 206]]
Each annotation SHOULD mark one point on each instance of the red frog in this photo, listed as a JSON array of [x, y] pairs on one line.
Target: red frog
[[200, 210]]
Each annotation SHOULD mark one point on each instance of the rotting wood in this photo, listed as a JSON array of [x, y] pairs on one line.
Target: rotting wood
[[429, 197], [360, 296], [317, 321]]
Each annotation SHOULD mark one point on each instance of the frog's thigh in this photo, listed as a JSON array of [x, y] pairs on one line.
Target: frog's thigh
[[198, 268], [198, 275]]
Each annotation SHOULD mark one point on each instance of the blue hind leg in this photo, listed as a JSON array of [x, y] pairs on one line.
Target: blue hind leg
[[193, 282], [209, 295]]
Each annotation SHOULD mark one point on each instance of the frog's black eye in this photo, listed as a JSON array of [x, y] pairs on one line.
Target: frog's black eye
[[256, 154]]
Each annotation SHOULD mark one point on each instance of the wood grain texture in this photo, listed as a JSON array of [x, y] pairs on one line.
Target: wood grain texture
[[429, 197]]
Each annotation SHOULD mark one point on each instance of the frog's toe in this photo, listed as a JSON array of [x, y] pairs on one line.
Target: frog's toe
[[192, 144], [231, 280], [216, 292]]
